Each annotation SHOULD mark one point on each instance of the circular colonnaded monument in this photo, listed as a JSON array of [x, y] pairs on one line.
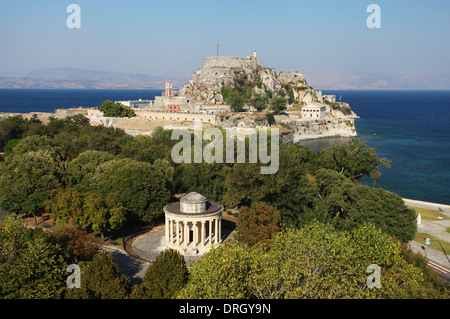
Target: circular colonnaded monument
[[193, 225]]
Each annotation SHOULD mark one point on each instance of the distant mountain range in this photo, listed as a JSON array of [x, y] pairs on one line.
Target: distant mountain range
[[329, 79], [320, 79], [73, 78]]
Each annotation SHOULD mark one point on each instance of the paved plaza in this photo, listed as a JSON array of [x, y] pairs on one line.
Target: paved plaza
[[149, 245]]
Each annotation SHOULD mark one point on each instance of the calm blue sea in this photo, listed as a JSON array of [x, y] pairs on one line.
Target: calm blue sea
[[24, 100], [413, 130]]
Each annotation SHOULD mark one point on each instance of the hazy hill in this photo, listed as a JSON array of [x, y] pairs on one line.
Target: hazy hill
[[73, 78], [330, 79]]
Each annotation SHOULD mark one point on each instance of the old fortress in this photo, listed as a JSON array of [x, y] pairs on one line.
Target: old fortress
[[310, 115]]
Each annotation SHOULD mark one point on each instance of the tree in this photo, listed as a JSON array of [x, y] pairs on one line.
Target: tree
[[236, 101], [245, 184], [257, 224], [351, 204], [221, 273], [11, 128], [26, 181], [80, 170], [10, 146], [99, 138], [203, 178], [164, 278], [101, 279], [355, 160], [65, 204], [320, 262], [99, 215], [316, 261], [86, 211], [259, 102], [112, 109], [138, 186], [270, 119], [278, 104], [291, 99], [77, 244], [31, 267]]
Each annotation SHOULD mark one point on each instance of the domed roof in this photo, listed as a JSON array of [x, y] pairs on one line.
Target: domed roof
[[193, 198], [193, 204]]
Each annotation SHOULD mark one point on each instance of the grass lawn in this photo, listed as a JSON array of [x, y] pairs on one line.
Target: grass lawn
[[429, 214], [434, 242]]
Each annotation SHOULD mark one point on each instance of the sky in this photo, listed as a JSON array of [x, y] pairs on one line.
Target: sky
[[174, 37]]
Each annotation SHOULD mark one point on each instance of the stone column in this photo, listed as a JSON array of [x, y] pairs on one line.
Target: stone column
[[216, 232], [167, 230], [219, 229], [203, 231], [210, 231], [178, 232], [186, 234], [170, 231], [195, 234]]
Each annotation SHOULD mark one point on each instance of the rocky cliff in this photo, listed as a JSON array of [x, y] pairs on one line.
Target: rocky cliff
[[245, 72]]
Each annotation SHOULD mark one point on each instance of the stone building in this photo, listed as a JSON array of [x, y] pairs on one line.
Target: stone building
[[193, 225], [313, 111]]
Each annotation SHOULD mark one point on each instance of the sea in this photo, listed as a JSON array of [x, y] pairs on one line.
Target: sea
[[409, 128]]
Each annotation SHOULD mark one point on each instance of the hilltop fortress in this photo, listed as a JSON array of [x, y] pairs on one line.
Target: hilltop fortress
[[308, 113]]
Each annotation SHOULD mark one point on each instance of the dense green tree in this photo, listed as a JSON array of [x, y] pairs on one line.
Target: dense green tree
[[278, 104], [99, 138], [221, 273], [26, 181], [100, 215], [11, 128], [86, 211], [101, 279], [352, 204], [10, 146], [315, 261], [320, 262], [355, 160], [140, 187], [112, 109], [291, 98], [236, 101], [31, 267], [259, 102], [64, 204], [270, 119], [203, 178], [245, 184], [164, 278], [80, 170]]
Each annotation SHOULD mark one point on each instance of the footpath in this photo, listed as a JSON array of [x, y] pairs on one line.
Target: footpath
[[438, 260]]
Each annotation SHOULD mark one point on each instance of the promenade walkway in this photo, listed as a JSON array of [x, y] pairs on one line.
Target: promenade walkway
[[437, 228]]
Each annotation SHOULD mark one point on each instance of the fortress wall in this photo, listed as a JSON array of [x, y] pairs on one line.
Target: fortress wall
[[180, 117], [231, 62], [308, 130]]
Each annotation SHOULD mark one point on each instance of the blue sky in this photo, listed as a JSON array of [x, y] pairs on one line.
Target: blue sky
[[174, 37]]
